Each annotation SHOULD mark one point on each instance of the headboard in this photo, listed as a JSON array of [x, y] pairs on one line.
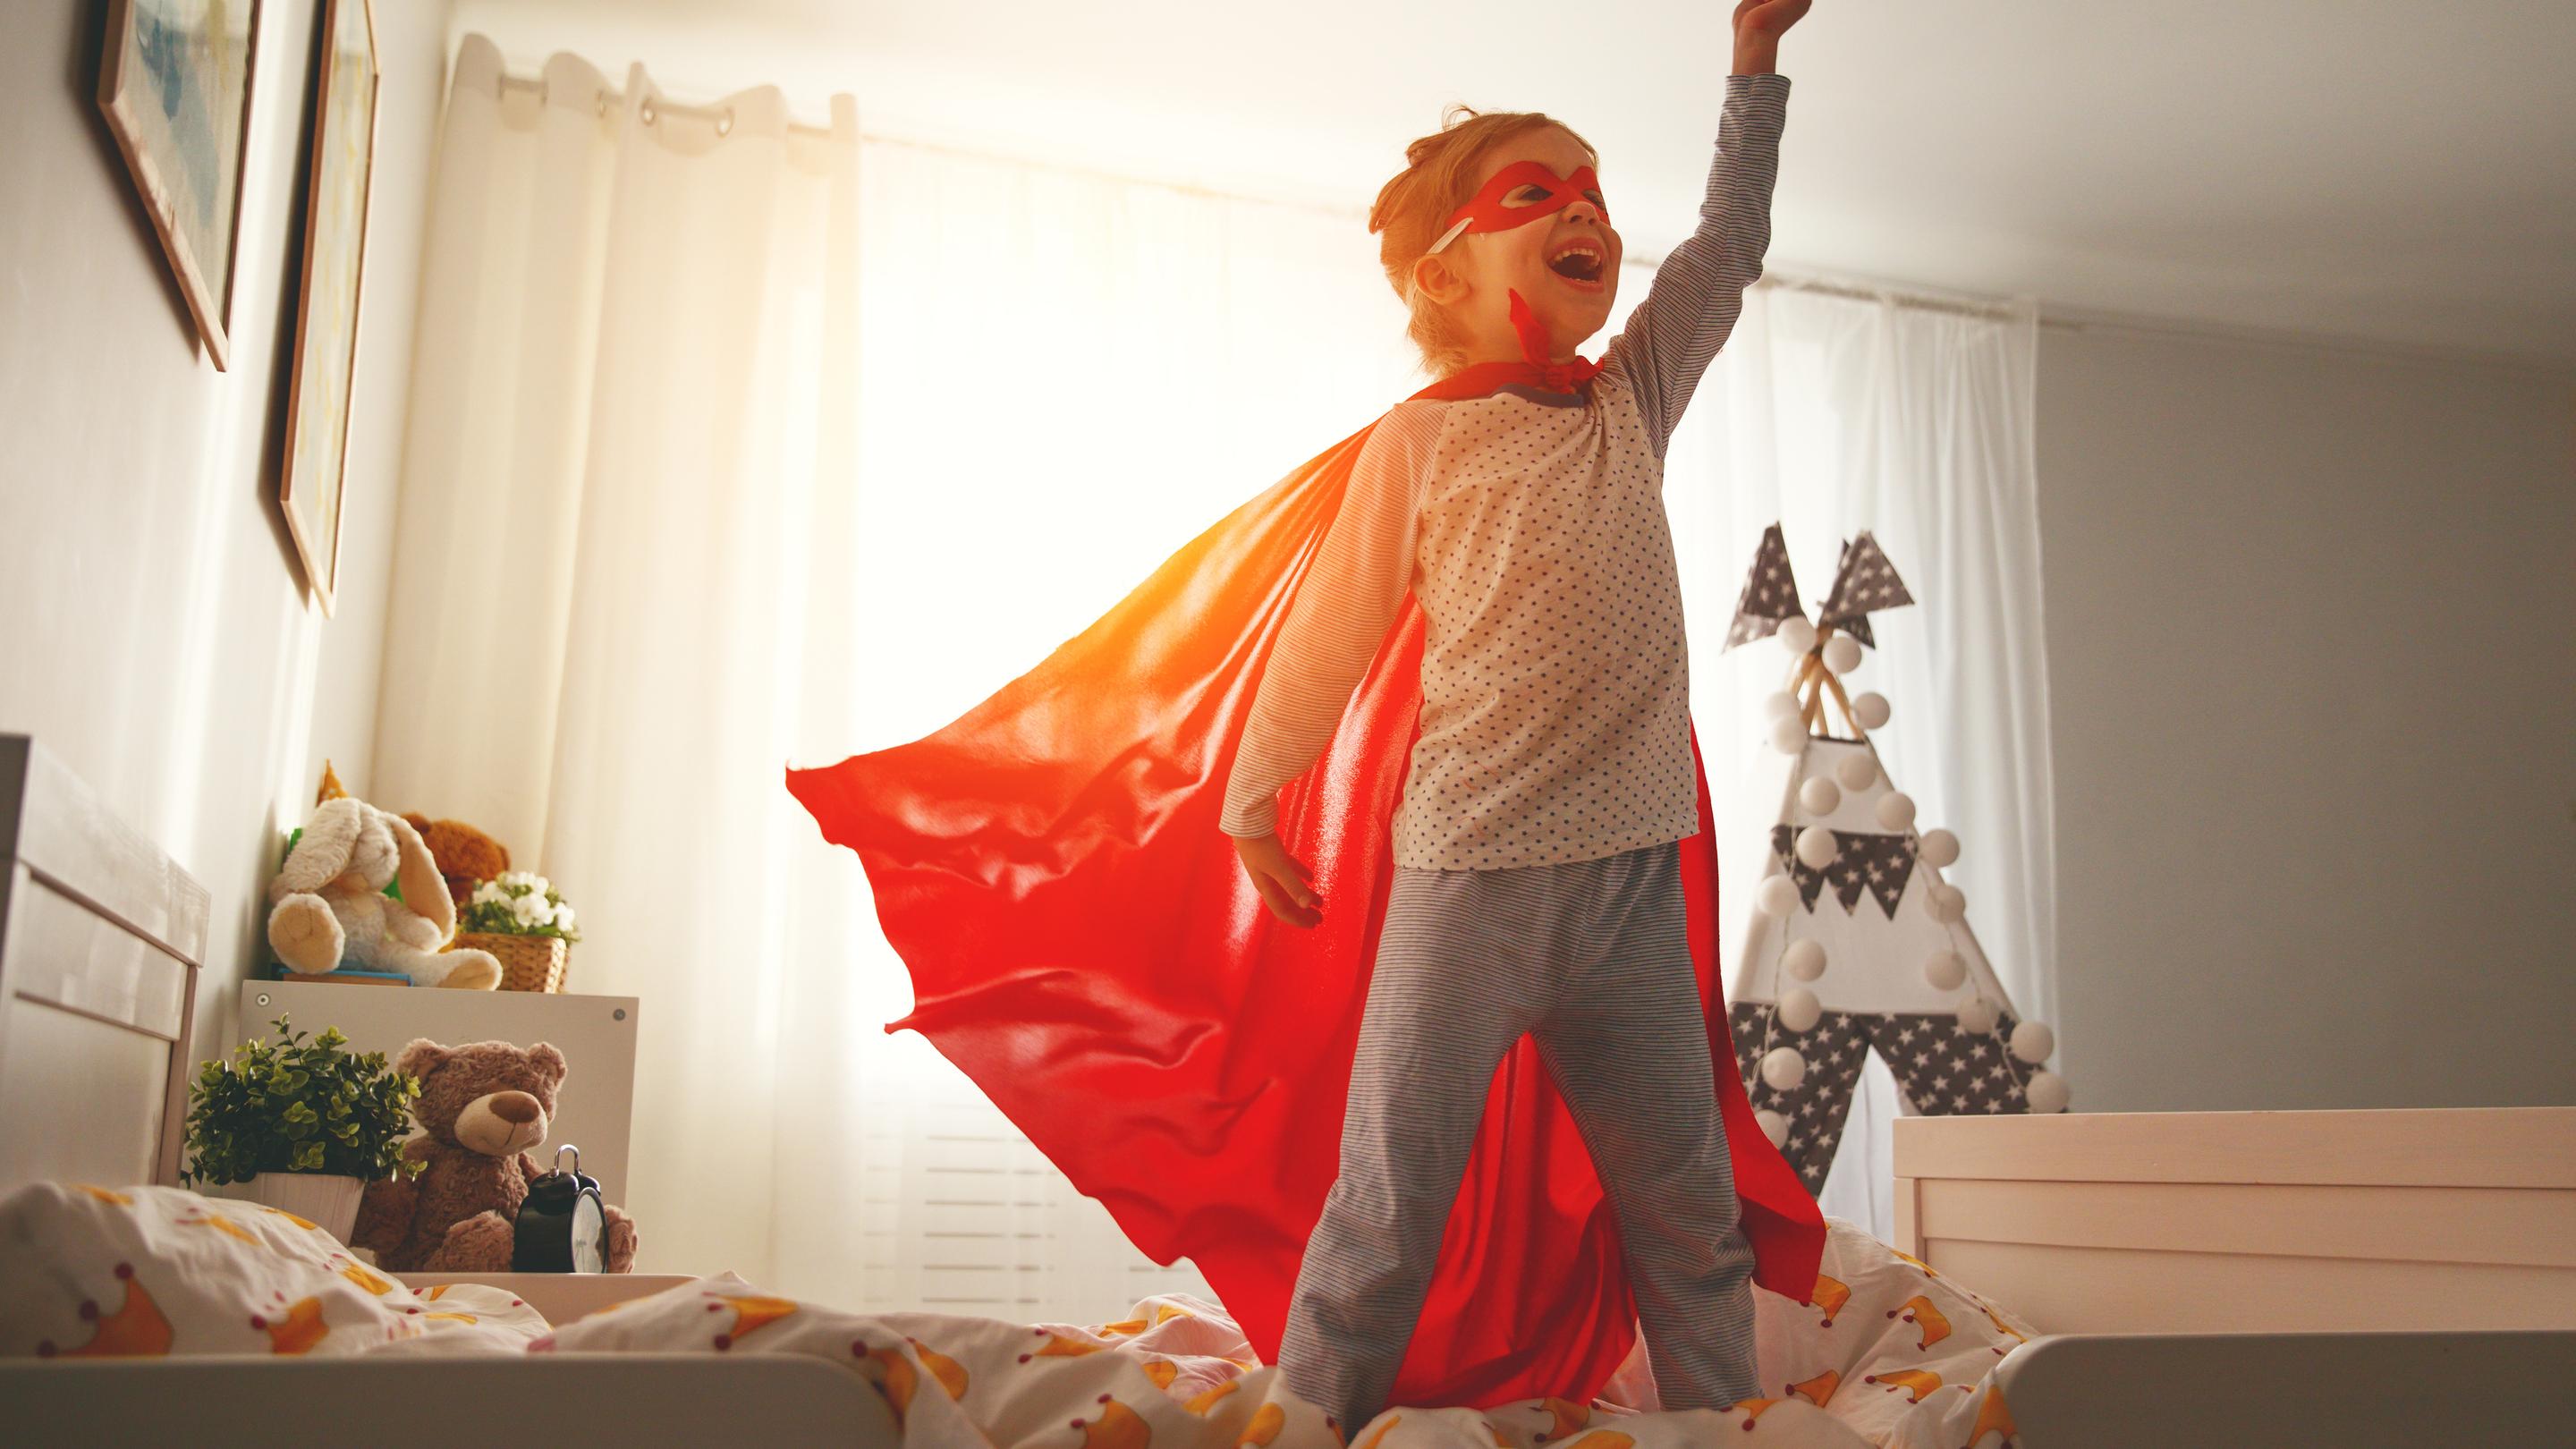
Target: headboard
[[101, 939]]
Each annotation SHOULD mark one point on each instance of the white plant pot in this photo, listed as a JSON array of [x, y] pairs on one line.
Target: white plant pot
[[329, 1201]]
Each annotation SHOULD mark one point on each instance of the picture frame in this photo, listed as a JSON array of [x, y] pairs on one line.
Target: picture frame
[[313, 477], [175, 84]]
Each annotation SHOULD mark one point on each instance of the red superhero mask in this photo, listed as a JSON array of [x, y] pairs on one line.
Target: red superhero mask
[[1502, 204]]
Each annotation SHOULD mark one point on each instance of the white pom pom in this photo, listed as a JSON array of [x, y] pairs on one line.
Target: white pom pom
[[1871, 709], [2045, 1092], [1940, 849], [1896, 810], [1800, 1010], [1816, 847], [1949, 903], [1857, 771], [1789, 734], [1783, 1068], [1804, 960], [1820, 795], [1977, 1016], [1773, 1125], [1777, 896], [2032, 1041], [1946, 970], [1797, 635], [1842, 654], [1780, 705]]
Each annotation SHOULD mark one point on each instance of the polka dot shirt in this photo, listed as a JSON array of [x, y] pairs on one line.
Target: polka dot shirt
[[1530, 527]]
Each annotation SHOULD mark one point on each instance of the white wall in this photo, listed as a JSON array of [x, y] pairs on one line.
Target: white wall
[[154, 630], [2311, 622]]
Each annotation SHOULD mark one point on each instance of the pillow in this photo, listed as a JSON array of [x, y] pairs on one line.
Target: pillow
[[92, 1271]]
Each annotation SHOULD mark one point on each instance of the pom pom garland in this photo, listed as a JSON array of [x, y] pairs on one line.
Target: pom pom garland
[[1800, 1010], [1871, 709], [1896, 810], [2046, 1092], [1783, 1068], [1789, 734], [1804, 960], [1946, 970], [1773, 1125], [1842, 654], [1777, 896], [1816, 848], [1949, 903], [1797, 635], [1977, 1016], [1780, 705], [1857, 771], [1820, 795], [2032, 1041], [1939, 849]]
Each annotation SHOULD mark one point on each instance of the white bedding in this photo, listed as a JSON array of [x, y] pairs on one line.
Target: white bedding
[[1890, 1354]]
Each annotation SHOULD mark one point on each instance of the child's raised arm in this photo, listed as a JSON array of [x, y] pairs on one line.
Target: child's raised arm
[[1698, 292]]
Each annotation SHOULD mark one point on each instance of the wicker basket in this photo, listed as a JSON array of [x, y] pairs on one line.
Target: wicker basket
[[528, 963]]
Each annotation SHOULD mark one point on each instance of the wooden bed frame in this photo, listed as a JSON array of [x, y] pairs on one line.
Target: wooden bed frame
[[2441, 1221], [2273, 1222], [2396, 1277]]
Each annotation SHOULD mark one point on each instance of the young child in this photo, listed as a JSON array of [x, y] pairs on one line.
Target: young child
[[1287, 1107], [1537, 887]]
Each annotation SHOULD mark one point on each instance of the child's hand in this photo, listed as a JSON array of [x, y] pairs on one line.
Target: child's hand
[[1759, 24], [1280, 878]]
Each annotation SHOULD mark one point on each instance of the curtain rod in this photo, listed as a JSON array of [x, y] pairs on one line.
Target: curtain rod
[[723, 115]]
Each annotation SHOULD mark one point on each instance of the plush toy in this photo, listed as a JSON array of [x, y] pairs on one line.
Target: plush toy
[[482, 1106], [465, 855], [329, 901]]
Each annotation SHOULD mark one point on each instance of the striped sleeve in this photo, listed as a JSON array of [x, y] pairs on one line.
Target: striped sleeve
[[1691, 306], [1343, 608]]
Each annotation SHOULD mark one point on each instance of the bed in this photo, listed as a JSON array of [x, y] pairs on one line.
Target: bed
[[2093, 1221]]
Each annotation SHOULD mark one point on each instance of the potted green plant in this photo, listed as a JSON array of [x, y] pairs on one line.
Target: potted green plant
[[525, 923], [304, 1123]]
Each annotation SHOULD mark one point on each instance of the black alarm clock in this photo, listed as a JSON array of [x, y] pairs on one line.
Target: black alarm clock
[[561, 1225]]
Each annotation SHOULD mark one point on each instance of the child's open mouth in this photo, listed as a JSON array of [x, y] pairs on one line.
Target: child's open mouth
[[1579, 262]]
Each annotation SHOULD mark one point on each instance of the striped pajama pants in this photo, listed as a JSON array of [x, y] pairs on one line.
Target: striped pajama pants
[[1591, 957]]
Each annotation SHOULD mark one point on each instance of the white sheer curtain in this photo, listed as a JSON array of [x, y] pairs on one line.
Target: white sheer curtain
[[732, 444], [731, 447], [1908, 414]]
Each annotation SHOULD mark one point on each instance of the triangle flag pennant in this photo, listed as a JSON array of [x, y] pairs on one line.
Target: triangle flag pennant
[[1864, 582], [1770, 593]]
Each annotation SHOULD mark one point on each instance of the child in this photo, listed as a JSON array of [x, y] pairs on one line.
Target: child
[[1052, 865], [1538, 886]]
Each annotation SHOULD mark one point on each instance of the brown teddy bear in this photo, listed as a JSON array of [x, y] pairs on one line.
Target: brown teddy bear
[[465, 855], [483, 1105]]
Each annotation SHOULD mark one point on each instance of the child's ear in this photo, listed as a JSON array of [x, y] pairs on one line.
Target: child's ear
[[1433, 277]]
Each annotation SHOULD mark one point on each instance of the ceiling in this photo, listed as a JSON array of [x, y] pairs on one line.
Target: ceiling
[[2372, 169]]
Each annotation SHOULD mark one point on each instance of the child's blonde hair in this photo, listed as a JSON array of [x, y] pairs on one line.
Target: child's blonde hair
[[1439, 176]]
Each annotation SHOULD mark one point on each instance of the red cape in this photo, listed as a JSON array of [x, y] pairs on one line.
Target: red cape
[[1085, 945]]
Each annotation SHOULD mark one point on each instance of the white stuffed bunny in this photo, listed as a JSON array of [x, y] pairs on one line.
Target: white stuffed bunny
[[329, 901]]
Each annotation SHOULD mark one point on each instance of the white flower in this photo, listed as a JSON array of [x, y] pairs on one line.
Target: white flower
[[563, 918], [529, 910], [486, 892]]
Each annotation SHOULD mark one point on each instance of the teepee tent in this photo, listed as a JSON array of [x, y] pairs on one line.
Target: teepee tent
[[1853, 942]]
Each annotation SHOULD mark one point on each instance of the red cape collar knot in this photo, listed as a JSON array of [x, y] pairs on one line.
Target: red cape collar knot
[[1533, 370]]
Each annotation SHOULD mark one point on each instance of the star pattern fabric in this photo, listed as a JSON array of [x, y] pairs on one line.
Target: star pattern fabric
[[1770, 593], [1864, 861], [1943, 1070], [1864, 581]]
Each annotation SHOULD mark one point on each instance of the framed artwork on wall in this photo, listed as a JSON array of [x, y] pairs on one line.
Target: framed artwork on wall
[[175, 84], [326, 307]]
